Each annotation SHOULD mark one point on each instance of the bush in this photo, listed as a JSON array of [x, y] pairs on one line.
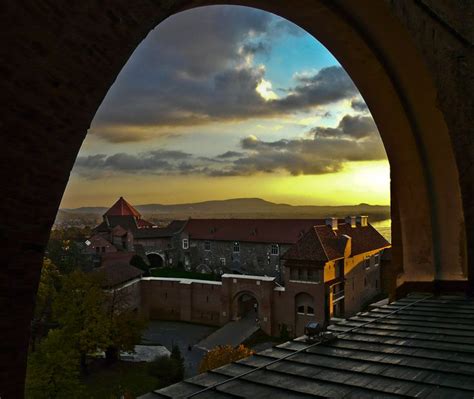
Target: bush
[[223, 355], [169, 370]]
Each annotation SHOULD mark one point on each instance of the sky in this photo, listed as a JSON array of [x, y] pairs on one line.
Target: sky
[[229, 102]]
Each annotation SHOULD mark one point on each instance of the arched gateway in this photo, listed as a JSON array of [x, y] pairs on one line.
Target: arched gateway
[[412, 64]]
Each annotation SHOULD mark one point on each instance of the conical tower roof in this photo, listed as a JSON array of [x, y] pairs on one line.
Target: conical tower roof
[[122, 208]]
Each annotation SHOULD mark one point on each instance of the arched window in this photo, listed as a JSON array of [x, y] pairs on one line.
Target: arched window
[[304, 304]]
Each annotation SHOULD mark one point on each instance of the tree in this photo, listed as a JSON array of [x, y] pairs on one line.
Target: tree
[[65, 251], [179, 362], [222, 355], [79, 309], [47, 291], [53, 370], [125, 327]]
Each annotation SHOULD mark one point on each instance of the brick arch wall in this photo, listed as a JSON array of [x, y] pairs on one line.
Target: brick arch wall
[[236, 298], [411, 60]]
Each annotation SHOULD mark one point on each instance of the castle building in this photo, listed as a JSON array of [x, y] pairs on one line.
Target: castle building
[[287, 271], [241, 246], [333, 270], [124, 230]]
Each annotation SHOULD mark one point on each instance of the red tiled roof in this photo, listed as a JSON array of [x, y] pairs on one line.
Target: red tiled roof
[[282, 231], [322, 244], [309, 247], [122, 208]]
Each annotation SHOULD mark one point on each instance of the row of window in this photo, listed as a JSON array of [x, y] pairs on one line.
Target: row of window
[[274, 250]]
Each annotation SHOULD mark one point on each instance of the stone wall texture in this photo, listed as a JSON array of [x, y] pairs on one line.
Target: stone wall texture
[[411, 59]]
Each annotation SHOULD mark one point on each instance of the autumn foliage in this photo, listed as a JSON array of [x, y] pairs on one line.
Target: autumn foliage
[[222, 355]]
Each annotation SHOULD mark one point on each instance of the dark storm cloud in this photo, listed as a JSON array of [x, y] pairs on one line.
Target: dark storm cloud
[[193, 69]]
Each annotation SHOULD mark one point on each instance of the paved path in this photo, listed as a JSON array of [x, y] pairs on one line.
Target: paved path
[[233, 333], [169, 333]]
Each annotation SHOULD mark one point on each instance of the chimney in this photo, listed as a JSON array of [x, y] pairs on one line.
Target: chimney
[[332, 222], [352, 220], [363, 220]]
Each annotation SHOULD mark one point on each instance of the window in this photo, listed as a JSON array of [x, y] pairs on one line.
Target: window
[[185, 243], [312, 275], [97, 250], [300, 310], [365, 282], [275, 249], [222, 261], [367, 263], [376, 284], [207, 245], [376, 260], [236, 246], [103, 249], [310, 311]]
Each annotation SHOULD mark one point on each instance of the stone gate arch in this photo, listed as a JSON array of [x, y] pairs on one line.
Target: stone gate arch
[[411, 64], [151, 255], [241, 309]]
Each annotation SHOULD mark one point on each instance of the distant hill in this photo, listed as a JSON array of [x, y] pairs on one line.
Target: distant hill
[[236, 208]]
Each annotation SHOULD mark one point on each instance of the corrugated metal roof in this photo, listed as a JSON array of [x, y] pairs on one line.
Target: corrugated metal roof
[[416, 347]]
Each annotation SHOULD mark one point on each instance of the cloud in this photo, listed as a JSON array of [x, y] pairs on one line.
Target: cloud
[[354, 139], [197, 67], [230, 154], [359, 105], [356, 127]]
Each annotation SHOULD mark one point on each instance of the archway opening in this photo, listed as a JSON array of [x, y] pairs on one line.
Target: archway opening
[[247, 306], [156, 260]]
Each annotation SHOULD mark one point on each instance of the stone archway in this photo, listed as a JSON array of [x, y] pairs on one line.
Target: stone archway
[[156, 259], [245, 304], [411, 64]]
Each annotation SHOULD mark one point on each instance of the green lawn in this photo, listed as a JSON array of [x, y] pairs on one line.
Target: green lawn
[[114, 381], [169, 272]]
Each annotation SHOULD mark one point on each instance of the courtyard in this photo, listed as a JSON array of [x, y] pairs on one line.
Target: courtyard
[[169, 333]]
